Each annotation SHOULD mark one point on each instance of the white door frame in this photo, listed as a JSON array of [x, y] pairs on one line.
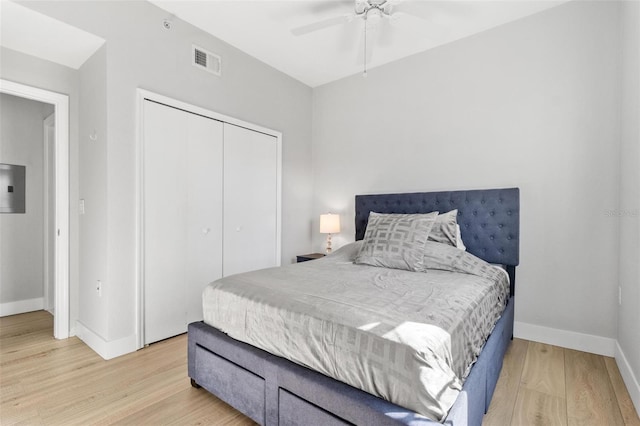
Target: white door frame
[[61, 105], [141, 96], [48, 124]]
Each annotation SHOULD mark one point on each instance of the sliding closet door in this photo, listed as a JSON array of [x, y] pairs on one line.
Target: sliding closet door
[[182, 216], [250, 200]]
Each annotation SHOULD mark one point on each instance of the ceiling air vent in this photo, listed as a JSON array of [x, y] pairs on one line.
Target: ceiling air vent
[[206, 60]]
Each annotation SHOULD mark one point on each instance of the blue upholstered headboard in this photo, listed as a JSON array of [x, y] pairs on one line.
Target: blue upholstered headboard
[[489, 219]]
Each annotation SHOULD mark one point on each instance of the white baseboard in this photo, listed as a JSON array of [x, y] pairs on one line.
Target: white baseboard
[[566, 339], [105, 349], [21, 306], [630, 380]]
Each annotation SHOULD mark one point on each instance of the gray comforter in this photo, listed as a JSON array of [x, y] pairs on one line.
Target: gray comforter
[[408, 337]]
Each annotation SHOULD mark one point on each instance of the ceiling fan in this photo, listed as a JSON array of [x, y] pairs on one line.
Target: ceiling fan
[[363, 9], [371, 12]]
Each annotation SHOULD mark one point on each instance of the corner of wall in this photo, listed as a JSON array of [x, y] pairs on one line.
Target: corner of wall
[[106, 349], [566, 339], [629, 378], [628, 339]]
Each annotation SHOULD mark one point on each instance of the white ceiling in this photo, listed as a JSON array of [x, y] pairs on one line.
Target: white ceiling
[[35, 34], [263, 29]]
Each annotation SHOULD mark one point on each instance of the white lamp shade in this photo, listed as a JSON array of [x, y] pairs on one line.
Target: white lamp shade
[[329, 223]]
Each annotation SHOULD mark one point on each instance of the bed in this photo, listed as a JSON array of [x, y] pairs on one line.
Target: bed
[[272, 390]]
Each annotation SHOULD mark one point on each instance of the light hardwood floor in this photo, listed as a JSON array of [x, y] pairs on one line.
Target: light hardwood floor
[[61, 382], [547, 385]]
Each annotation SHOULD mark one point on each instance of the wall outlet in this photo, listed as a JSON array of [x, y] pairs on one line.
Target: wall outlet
[[99, 288], [81, 207]]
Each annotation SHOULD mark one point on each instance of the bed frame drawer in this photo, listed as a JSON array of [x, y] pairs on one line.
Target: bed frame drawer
[[223, 378], [293, 411]]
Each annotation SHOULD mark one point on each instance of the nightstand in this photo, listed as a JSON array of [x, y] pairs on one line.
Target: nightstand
[[307, 257]]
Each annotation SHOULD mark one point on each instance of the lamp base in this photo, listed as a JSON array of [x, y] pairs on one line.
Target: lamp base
[[328, 243]]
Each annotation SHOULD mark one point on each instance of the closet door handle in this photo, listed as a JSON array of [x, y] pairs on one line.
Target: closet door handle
[[205, 231]]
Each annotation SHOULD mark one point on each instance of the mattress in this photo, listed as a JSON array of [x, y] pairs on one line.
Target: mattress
[[408, 337]]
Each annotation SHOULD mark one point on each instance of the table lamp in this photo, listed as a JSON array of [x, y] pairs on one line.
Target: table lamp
[[329, 224]]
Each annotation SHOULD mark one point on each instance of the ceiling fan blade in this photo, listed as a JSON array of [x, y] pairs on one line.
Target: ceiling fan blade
[[349, 36], [428, 10], [385, 33], [325, 23], [324, 6], [416, 9], [401, 14]]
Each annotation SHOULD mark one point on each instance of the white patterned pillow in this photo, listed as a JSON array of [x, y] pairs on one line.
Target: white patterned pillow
[[459, 242], [396, 240], [445, 228]]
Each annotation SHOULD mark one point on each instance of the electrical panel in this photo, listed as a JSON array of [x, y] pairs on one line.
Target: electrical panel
[[12, 188]]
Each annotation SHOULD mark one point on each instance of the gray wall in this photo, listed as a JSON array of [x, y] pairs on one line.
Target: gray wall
[[31, 71], [532, 104], [629, 218], [93, 189], [22, 235], [141, 54]]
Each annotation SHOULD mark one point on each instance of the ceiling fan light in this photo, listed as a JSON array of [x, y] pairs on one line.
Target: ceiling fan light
[[361, 7], [374, 15]]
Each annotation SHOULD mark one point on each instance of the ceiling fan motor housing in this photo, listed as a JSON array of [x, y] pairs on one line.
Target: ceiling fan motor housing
[[373, 8]]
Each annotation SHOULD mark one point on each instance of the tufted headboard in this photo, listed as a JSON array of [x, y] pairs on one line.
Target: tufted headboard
[[489, 219]]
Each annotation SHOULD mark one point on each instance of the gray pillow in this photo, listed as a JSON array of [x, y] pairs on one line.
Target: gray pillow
[[396, 240], [445, 230]]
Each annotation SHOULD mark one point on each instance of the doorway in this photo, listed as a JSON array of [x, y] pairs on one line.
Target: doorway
[[60, 201]]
